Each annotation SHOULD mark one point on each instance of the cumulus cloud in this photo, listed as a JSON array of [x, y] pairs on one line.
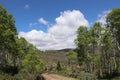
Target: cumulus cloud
[[46, 41], [102, 17], [60, 35], [26, 6], [67, 23]]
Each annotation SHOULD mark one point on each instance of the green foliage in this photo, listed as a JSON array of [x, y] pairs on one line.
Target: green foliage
[[16, 54], [81, 44], [98, 47], [8, 34], [72, 57], [113, 23], [33, 63]]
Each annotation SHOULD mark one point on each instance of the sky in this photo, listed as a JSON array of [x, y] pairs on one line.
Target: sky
[[52, 24]]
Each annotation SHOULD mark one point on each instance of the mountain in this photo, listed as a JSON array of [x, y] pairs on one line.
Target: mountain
[[66, 50]]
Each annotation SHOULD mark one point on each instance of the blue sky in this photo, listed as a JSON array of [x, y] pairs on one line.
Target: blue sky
[[50, 9], [39, 16]]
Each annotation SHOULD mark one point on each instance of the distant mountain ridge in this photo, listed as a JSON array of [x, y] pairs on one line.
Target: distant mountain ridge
[[61, 50], [66, 50]]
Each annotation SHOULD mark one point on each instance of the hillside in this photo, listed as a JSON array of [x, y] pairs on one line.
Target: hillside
[[53, 56]]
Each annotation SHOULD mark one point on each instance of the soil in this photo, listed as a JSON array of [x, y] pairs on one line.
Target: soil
[[55, 77]]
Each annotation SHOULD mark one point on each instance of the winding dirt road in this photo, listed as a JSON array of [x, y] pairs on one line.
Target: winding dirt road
[[55, 77]]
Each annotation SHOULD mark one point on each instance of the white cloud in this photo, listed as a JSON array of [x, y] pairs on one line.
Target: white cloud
[[40, 21], [46, 41], [68, 23], [102, 17], [26, 6], [33, 24], [59, 36], [43, 21]]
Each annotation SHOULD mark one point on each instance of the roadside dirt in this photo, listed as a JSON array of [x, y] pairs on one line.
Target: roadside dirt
[[55, 77]]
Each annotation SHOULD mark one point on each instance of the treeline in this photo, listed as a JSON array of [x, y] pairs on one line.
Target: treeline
[[98, 48], [17, 56]]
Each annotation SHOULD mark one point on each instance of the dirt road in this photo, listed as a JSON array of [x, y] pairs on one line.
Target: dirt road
[[55, 77]]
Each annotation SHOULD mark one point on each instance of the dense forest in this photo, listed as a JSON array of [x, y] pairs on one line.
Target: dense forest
[[97, 55]]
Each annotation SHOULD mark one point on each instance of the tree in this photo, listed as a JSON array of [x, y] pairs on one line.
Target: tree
[[32, 63], [72, 56], [16, 54], [8, 34], [113, 24], [107, 53], [95, 34], [81, 44], [94, 38], [22, 50]]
